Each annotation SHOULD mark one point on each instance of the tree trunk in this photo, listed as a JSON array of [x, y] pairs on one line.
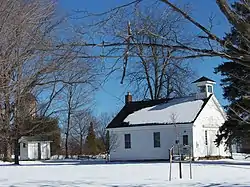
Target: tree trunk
[[16, 151], [68, 123], [7, 151], [66, 145], [81, 144], [7, 141], [67, 133]]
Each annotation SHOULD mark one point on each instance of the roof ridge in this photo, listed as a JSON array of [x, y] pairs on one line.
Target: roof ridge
[[165, 99], [203, 78]]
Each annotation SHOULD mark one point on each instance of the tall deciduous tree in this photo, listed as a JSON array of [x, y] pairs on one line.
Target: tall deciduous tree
[[153, 71], [32, 58], [80, 126], [159, 72], [76, 98]]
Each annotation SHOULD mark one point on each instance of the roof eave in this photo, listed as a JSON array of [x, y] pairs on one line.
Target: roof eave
[[149, 124], [204, 104]]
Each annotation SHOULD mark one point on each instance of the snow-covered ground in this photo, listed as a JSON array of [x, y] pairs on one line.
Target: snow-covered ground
[[226, 173]]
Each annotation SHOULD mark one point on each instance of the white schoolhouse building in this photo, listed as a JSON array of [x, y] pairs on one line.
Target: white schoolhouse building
[[146, 130]]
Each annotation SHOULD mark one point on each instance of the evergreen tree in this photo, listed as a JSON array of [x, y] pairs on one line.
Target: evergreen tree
[[91, 143], [236, 88], [45, 127]]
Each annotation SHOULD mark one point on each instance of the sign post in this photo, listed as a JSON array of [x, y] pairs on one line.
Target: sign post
[[180, 153]]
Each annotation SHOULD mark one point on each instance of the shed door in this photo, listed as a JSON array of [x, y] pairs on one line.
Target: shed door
[[33, 151]]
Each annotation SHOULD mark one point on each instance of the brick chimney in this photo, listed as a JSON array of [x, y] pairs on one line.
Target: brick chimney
[[128, 98]]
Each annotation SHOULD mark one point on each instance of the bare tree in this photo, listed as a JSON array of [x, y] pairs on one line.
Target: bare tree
[[159, 72], [208, 43], [240, 56], [155, 70], [111, 142], [23, 34], [76, 99], [81, 121], [32, 57], [108, 138], [173, 119]]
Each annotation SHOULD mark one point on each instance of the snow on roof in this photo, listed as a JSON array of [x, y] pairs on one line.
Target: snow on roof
[[179, 110], [34, 139]]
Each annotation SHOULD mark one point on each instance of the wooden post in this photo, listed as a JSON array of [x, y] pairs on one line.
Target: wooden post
[[190, 166], [190, 170], [170, 161], [180, 171]]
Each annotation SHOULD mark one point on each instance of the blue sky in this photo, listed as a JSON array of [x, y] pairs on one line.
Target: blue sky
[[110, 98]]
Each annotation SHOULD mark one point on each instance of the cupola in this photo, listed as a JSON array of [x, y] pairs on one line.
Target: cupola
[[205, 87]]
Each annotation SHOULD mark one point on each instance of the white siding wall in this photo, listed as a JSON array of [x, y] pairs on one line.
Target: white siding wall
[[30, 151], [23, 151], [142, 142], [209, 120]]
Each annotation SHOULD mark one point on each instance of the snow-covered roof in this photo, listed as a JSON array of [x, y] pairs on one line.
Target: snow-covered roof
[[159, 112], [179, 110], [37, 138]]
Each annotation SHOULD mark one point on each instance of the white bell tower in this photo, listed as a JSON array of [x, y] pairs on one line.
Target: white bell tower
[[205, 87]]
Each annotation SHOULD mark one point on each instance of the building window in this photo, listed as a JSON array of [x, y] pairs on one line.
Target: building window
[[185, 139], [209, 89], [127, 138], [205, 137], [202, 89], [157, 139], [24, 145]]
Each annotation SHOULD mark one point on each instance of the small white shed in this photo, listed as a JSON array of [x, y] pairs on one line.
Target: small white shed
[[34, 148]]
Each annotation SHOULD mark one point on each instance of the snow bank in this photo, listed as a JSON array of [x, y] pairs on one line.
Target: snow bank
[[77, 157], [241, 156]]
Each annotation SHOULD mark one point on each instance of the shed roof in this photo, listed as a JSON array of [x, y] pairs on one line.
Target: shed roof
[[41, 138]]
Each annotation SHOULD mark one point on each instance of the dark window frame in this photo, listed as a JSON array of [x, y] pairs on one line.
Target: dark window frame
[[185, 139], [209, 89], [157, 139], [24, 145], [127, 141], [206, 142]]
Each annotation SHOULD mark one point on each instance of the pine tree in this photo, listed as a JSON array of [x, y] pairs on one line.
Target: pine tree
[[236, 91], [91, 143]]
